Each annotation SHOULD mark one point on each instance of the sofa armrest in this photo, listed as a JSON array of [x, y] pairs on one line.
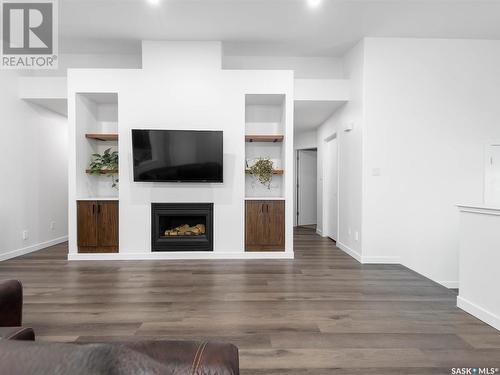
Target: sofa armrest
[[190, 357], [11, 303], [17, 333]]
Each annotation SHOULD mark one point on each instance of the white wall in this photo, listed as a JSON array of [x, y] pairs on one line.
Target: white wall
[[350, 157], [430, 106], [178, 96], [307, 139], [303, 67], [33, 189]]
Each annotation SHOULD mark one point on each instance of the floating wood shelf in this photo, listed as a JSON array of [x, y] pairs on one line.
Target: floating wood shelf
[[102, 137], [104, 171], [276, 171], [264, 138]]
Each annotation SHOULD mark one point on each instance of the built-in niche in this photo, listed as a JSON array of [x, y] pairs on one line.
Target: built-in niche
[[264, 137], [96, 131]]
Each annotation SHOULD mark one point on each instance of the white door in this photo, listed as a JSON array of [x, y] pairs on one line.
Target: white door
[[492, 186], [330, 191], [306, 187]]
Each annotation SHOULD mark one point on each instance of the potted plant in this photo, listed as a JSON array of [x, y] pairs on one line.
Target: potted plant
[[262, 170], [107, 164]]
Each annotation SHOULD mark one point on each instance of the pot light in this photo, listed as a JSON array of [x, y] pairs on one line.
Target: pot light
[[314, 3], [154, 2]]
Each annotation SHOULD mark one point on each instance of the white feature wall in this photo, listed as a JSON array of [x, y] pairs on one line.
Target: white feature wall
[[183, 87], [430, 107], [34, 186]]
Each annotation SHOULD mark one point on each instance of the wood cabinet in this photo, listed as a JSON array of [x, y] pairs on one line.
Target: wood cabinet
[[264, 225], [97, 226]]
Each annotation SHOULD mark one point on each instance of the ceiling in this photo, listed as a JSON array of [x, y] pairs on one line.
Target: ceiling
[[269, 27], [308, 115]]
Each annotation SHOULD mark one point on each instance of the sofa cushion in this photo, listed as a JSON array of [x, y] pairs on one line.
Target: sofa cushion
[[34, 358]]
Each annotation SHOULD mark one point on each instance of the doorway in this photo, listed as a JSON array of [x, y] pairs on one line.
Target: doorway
[[307, 172], [330, 188]]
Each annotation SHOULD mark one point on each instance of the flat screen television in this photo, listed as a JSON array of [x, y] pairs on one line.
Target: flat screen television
[[177, 155]]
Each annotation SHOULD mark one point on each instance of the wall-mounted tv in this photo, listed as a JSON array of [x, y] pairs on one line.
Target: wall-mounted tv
[[177, 155]]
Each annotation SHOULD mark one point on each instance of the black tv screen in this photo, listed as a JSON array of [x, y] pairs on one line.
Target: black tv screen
[[177, 155]]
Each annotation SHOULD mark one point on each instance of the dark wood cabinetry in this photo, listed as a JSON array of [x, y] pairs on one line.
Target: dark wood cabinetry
[[97, 226], [265, 225]]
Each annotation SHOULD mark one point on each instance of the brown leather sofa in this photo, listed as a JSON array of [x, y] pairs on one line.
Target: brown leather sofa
[[20, 354]]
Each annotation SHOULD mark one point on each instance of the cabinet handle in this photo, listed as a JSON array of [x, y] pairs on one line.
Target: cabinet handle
[[93, 209], [98, 208]]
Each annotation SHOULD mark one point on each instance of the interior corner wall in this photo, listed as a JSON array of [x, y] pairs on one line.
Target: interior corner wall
[[350, 158], [34, 185], [430, 106]]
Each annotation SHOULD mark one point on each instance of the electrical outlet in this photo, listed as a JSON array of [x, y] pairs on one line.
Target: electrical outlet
[[25, 235], [52, 225], [356, 236]]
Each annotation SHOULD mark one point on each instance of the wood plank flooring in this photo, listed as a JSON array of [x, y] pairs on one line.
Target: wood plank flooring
[[322, 313]]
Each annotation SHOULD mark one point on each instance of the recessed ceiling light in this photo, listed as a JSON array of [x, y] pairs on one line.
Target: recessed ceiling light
[[154, 2], [314, 3]]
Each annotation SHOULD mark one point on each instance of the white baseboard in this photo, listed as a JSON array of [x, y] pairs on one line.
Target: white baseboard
[[480, 313], [318, 231], [346, 249], [32, 248], [380, 260], [366, 259], [449, 284], [201, 255]]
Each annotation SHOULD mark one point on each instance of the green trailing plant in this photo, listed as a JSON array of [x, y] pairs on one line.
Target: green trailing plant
[[108, 161], [262, 170]]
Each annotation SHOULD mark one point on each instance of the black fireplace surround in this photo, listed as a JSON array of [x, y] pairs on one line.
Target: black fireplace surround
[[167, 216]]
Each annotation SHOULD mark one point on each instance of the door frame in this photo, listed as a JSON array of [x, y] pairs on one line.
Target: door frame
[[327, 139], [297, 184]]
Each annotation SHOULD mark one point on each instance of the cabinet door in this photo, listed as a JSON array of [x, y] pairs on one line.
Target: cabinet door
[[107, 225], [276, 220], [87, 223], [254, 230], [264, 226]]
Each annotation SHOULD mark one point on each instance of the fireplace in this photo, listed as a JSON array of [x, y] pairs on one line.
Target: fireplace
[[182, 226]]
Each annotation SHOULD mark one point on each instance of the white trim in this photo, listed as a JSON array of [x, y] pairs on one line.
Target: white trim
[[195, 255], [346, 249], [480, 313], [32, 248], [380, 260], [480, 209], [449, 284], [318, 231]]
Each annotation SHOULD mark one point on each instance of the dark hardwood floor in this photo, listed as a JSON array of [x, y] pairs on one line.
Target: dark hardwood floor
[[322, 313]]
